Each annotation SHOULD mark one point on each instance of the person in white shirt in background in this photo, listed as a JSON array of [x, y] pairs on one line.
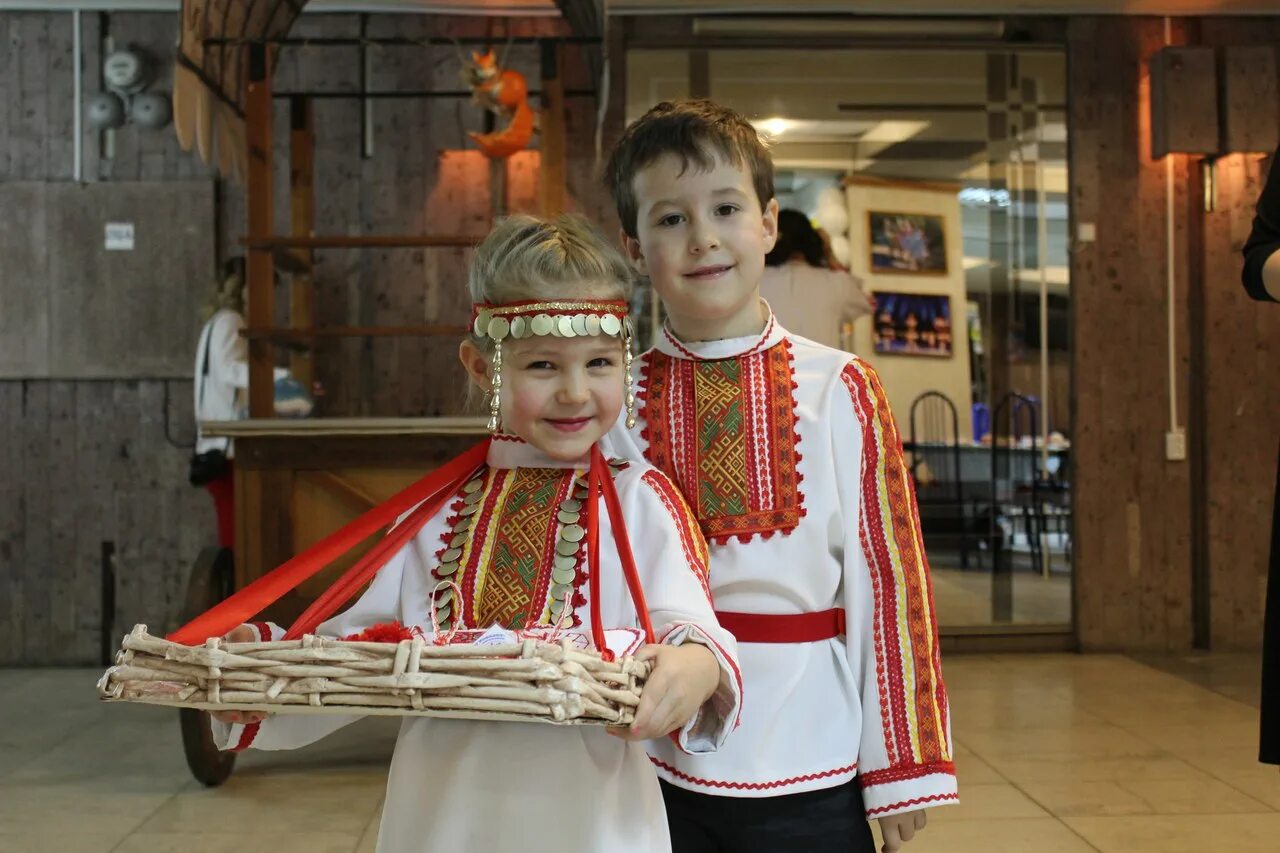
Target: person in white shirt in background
[[811, 294], [222, 383]]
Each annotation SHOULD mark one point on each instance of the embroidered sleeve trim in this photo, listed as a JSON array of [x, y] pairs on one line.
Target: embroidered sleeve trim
[[755, 786], [918, 801], [902, 774], [691, 541], [722, 655], [913, 701]]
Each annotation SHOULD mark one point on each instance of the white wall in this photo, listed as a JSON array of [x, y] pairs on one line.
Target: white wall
[[906, 377]]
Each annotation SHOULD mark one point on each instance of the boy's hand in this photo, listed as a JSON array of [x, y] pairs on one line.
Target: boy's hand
[[683, 677], [239, 634], [898, 829]]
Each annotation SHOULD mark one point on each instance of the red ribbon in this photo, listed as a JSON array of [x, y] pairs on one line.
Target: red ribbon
[[428, 495], [435, 488], [601, 482]]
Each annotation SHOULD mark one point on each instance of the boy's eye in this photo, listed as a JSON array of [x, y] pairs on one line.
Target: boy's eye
[[670, 219], [726, 209]]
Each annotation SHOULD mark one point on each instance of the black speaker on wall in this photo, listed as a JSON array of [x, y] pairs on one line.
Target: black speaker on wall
[[1184, 101], [1215, 101]]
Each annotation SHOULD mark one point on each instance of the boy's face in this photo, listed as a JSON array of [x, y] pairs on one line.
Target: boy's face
[[701, 238]]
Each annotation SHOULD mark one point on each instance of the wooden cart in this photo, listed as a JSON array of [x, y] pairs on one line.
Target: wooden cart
[[297, 481]]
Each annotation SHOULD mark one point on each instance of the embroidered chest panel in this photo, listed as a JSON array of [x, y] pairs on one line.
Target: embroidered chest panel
[[516, 548], [725, 431]]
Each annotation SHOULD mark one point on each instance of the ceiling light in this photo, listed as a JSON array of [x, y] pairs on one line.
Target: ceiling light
[[842, 27], [775, 126]]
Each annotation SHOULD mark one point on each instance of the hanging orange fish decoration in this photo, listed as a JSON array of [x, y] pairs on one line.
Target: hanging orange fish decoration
[[505, 92]]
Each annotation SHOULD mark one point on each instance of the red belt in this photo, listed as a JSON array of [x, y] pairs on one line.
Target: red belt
[[784, 628]]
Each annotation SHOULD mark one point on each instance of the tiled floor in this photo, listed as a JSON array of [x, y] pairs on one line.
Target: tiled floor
[[1055, 753]]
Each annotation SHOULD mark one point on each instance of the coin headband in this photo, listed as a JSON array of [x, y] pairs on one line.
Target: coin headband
[[563, 319]]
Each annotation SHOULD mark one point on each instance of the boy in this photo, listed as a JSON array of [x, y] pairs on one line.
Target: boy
[[788, 453]]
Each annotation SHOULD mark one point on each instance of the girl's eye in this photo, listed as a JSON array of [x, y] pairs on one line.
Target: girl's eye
[[538, 365], [726, 210], [602, 361], [670, 219]]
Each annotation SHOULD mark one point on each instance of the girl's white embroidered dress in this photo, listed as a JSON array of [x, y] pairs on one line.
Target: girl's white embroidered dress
[[470, 785], [788, 454]]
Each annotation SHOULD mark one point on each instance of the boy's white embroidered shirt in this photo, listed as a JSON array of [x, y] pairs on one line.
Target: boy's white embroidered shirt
[[843, 532]]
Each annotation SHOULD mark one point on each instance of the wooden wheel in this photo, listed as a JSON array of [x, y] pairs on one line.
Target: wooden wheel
[[212, 580]]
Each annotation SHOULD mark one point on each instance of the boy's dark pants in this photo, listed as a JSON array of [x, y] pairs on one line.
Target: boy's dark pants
[[832, 820]]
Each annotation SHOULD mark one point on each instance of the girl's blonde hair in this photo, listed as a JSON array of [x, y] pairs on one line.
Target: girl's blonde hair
[[528, 257]]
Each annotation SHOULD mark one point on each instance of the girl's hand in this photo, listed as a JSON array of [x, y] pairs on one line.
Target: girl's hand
[[683, 677], [239, 634], [898, 829]]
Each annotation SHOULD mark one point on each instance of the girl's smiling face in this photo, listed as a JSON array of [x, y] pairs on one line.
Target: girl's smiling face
[[559, 394]]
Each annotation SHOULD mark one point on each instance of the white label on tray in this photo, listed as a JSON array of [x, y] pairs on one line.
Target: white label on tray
[[495, 636]]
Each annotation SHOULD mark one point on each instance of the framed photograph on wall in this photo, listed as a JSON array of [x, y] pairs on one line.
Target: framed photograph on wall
[[907, 243], [912, 324]]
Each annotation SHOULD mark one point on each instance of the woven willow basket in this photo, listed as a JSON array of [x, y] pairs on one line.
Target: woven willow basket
[[529, 680]]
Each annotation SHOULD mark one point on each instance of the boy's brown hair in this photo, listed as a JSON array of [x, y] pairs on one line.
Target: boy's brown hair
[[696, 131]]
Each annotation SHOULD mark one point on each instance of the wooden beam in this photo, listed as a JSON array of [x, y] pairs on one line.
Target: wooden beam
[[307, 333], [302, 219], [585, 20], [553, 141], [582, 16], [367, 241], [259, 189]]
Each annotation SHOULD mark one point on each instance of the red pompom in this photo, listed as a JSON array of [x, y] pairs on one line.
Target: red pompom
[[385, 632]]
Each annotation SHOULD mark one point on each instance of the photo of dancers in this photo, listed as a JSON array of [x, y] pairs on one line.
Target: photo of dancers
[[913, 324], [907, 243]]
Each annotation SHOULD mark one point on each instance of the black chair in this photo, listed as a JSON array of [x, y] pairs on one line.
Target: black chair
[[1015, 493], [935, 449]]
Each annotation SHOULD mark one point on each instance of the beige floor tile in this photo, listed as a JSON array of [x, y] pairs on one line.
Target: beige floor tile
[[1208, 736], [276, 842], [987, 802], [33, 809], [1151, 797], [369, 841], [1201, 709], [61, 842], [315, 800], [141, 744], [972, 770], [1068, 768], [1079, 740], [1027, 835], [1181, 833], [1000, 709], [1240, 769]]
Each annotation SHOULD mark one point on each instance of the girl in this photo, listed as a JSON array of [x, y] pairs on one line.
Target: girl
[[550, 345]]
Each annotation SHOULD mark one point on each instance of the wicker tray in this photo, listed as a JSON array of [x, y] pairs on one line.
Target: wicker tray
[[529, 680]]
